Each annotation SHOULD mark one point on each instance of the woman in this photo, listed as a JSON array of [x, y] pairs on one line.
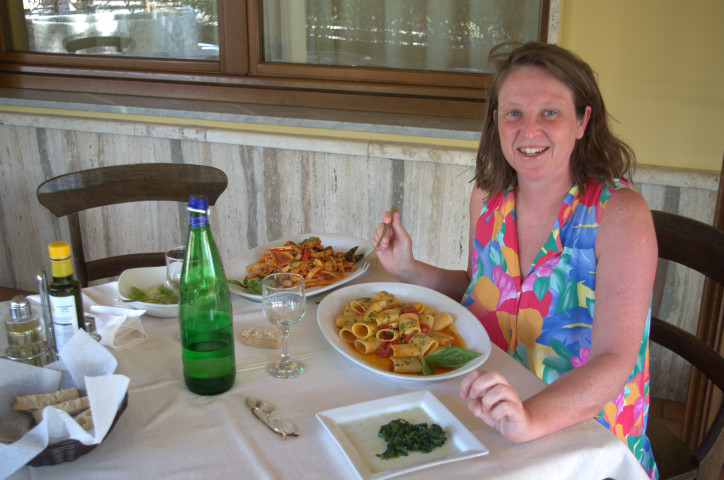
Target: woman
[[562, 255]]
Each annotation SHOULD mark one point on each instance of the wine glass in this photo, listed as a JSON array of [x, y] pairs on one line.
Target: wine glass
[[284, 304]]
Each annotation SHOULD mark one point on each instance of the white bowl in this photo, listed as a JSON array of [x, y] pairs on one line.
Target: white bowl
[[145, 278]]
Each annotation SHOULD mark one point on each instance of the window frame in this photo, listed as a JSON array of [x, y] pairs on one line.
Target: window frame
[[243, 78]]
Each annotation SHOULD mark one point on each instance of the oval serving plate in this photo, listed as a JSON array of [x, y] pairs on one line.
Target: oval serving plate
[[340, 243], [476, 338]]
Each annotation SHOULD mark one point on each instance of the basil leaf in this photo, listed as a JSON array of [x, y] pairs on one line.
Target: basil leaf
[[251, 286], [451, 357], [426, 368]]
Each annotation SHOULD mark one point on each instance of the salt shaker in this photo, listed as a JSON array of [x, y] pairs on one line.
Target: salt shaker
[[25, 330]]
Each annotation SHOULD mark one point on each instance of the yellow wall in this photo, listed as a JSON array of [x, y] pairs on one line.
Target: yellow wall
[[660, 65]]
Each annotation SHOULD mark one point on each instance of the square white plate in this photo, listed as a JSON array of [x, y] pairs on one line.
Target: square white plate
[[355, 429]]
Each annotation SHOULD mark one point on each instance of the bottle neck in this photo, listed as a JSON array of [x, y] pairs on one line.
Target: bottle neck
[[61, 268], [197, 220]]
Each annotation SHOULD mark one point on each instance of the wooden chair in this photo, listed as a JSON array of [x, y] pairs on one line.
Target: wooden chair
[[700, 247], [120, 44], [68, 194]]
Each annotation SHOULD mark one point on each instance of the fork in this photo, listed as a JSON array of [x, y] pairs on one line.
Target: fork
[[384, 232], [365, 266]]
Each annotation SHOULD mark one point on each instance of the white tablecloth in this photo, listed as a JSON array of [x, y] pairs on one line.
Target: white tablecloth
[[169, 432]]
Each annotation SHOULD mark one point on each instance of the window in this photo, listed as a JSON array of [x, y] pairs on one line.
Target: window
[[404, 56]]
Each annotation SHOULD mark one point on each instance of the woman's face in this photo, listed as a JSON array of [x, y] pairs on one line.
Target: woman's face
[[537, 124]]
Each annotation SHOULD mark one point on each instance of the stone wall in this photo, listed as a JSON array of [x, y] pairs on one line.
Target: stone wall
[[279, 184]]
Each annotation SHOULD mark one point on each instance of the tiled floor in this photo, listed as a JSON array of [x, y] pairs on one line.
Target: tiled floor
[[671, 414]]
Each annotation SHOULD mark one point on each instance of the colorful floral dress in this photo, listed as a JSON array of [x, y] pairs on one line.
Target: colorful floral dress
[[546, 321]]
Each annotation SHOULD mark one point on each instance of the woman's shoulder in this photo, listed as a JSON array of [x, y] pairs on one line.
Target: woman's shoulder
[[627, 216], [622, 195], [600, 192]]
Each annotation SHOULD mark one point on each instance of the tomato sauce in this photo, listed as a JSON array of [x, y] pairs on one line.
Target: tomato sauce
[[383, 363]]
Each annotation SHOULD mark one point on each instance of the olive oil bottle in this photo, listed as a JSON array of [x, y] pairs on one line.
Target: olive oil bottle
[[66, 301]]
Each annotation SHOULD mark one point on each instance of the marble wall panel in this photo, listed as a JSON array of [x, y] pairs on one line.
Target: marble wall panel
[[280, 185]]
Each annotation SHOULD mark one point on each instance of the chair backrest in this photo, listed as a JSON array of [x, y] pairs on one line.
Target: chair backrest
[[700, 247], [68, 194], [119, 43]]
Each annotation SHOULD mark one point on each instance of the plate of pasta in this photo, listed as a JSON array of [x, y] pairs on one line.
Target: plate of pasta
[[326, 260], [403, 332]]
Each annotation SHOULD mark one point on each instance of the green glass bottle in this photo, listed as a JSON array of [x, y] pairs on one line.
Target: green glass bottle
[[207, 337], [64, 293]]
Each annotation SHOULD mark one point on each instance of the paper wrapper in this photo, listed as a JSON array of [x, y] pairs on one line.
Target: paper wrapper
[[119, 328], [84, 364]]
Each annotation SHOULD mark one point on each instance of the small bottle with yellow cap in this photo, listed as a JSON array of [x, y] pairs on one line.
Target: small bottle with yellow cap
[[66, 302]]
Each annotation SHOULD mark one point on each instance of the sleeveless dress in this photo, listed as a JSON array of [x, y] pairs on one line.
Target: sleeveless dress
[[546, 321]]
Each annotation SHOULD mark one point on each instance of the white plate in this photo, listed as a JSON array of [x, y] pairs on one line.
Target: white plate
[[476, 338], [355, 429], [340, 243], [145, 278]]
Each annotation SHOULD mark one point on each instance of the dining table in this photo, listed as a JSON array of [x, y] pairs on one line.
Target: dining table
[[166, 431]]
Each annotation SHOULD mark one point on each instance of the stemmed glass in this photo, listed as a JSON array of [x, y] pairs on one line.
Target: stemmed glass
[[284, 304]]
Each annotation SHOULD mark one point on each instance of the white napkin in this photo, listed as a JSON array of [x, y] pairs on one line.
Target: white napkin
[[85, 365], [119, 328]]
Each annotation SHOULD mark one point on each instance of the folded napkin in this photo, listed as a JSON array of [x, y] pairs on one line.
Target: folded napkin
[[120, 328], [84, 365]]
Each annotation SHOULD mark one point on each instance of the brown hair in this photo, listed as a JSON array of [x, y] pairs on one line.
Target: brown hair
[[598, 154]]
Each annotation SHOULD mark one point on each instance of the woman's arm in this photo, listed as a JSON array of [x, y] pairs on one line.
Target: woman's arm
[[395, 255], [627, 254]]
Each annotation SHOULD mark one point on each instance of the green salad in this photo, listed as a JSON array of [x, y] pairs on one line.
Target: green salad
[[159, 294]]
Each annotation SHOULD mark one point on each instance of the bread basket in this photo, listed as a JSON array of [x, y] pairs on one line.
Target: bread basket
[[69, 450]]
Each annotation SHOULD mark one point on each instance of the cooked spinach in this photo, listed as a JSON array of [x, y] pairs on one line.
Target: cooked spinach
[[403, 437]]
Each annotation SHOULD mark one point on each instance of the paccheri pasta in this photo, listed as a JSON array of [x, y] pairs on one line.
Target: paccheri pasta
[[395, 334]]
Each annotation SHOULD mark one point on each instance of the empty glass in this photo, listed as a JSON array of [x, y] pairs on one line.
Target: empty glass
[[284, 304], [174, 265]]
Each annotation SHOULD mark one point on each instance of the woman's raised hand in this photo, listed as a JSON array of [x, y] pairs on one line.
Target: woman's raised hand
[[492, 399], [395, 250]]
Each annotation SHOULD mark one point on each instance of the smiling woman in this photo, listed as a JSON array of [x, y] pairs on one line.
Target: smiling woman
[[383, 55], [561, 256]]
